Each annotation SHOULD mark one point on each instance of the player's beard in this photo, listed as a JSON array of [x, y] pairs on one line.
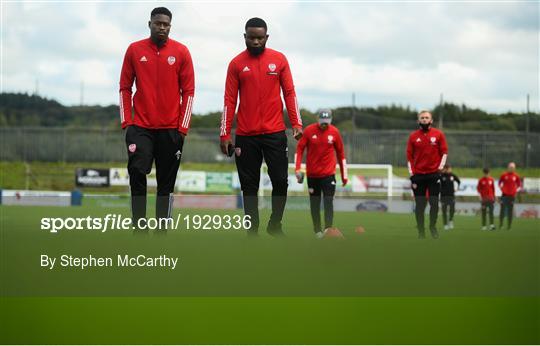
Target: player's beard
[[255, 51], [424, 127]]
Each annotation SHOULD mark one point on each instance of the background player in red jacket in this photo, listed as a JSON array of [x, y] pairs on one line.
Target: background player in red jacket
[[323, 142], [510, 184], [259, 75], [426, 156], [163, 73], [486, 189]]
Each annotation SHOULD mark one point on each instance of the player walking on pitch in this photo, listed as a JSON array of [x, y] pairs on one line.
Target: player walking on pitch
[[259, 75], [426, 156], [163, 74], [486, 189], [448, 199], [510, 184], [323, 142]]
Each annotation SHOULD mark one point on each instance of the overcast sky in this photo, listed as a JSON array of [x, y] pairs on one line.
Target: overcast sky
[[485, 55]]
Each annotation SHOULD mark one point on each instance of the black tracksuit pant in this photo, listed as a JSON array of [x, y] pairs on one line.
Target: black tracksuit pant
[[448, 204], [487, 208], [426, 187], [326, 186], [507, 209], [250, 152], [144, 146]]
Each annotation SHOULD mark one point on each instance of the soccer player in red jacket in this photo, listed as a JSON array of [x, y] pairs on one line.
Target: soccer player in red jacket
[[163, 74], [259, 75], [510, 184], [323, 142], [426, 156], [486, 189]]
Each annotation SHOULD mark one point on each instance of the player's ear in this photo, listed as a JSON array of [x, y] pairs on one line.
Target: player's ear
[[149, 23]]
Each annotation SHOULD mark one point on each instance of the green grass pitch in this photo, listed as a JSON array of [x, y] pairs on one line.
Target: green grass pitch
[[380, 287]]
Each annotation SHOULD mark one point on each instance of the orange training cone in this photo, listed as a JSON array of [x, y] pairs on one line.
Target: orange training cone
[[333, 232], [359, 230]]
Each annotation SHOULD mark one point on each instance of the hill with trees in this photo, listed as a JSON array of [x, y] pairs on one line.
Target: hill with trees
[[18, 109]]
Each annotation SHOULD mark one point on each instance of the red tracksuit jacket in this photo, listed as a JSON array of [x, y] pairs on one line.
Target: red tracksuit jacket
[[509, 183], [486, 189], [165, 85], [322, 147], [260, 80], [426, 151]]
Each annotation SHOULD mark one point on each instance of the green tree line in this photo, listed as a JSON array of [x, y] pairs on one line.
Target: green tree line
[[18, 109]]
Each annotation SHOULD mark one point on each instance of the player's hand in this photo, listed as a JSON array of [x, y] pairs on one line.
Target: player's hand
[[297, 133], [344, 181], [224, 145], [413, 182], [299, 177]]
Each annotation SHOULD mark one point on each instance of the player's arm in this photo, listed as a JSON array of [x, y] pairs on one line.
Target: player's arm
[[342, 161], [443, 151], [302, 143], [456, 178], [410, 153], [186, 78], [291, 103], [478, 188], [229, 107], [127, 77]]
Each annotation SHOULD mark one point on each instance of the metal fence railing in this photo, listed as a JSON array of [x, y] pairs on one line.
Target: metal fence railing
[[467, 148]]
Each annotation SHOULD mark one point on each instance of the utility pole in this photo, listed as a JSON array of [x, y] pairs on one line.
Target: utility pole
[[353, 111], [527, 125], [352, 141], [82, 93], [441, 115]]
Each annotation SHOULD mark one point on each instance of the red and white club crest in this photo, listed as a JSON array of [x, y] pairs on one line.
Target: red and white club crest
[[272, 67], [433, 139], [238, 151], [171, 60], [132, 148], [330, 139]]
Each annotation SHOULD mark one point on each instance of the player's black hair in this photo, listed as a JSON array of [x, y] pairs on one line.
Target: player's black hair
[[256, 23], [485, 170], [161, 10]]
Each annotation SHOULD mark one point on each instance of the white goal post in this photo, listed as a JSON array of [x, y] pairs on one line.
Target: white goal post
[[351, 166]]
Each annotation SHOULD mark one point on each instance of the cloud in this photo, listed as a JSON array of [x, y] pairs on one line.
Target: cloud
[[483, 54]]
